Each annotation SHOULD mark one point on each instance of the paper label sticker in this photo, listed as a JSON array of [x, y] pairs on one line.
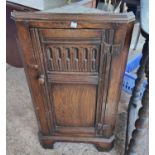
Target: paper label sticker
[[73, 24]]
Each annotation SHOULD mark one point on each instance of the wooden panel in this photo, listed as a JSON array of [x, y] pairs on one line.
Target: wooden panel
[[75, 131], [66, 24], [74, 51], [70, 33], [70, 57], [72, 77], [74, 105], [69, 130], [118, 61]]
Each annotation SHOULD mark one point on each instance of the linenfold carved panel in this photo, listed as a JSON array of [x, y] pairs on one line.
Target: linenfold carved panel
[[73, 58]]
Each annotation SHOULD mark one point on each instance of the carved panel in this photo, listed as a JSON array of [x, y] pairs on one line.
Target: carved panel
[[72, 58]]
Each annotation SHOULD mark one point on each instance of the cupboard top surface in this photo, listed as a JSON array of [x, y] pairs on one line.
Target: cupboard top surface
[[80, 14]]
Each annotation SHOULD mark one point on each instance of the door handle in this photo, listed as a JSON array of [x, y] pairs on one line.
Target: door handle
[[33, 66], [41, 79]]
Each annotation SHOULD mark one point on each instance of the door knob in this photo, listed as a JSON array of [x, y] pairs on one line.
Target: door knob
[[41, 79], [33, 66]]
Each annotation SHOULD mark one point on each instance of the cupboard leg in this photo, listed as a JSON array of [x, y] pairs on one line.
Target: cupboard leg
[[46, 143], [104, 147]]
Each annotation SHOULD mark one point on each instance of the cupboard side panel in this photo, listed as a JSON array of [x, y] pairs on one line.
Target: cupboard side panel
[[32, 78], [118, 63]]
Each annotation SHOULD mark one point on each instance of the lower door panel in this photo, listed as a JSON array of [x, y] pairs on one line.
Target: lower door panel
[[74, 104]]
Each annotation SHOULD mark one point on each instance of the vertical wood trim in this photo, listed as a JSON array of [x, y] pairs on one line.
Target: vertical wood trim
[[100, 92], [47, 87], [41, 60], [105, 61]]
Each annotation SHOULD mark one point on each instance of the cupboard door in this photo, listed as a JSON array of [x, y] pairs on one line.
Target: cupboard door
[[77, 66], [71, 59]]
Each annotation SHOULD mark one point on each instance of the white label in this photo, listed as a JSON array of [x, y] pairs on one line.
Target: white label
[[73, 24]]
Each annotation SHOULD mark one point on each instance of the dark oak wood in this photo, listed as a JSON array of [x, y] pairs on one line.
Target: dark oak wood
[[75, 74]]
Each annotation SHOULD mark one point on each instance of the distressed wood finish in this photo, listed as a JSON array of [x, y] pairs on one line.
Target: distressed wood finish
[[75, 74]]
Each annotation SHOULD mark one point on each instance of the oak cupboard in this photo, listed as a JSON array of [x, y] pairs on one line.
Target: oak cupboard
[[74, 64]]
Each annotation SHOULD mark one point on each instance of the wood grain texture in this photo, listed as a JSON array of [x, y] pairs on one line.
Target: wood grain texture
[[81, 73], [69, 34], [117, 69], [81, 102], [73, 58], [73, 77]]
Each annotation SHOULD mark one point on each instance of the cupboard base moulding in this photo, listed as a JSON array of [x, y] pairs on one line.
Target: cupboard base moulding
[[102, 144]]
